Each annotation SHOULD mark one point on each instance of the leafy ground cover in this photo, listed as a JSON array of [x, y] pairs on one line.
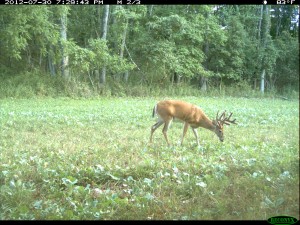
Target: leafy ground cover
[[90, 159]]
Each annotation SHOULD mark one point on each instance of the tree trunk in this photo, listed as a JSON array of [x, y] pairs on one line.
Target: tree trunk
[[29, 62], [259, 22], [175, 78], [97, 76], [126, 75], [203, 84], [102, 79], [203, 80], [278, 22], [123, 40], [150, 10], [105, 21], [123, 46], [99, 21], [50, 61], [63, 35], [265, 30], [272, 81], [262, 81], [112, 23]]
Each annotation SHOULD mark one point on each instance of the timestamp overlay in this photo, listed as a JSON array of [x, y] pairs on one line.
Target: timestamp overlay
[[140, 2]]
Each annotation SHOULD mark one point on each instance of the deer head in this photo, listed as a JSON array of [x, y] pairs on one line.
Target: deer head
[[219, 123]]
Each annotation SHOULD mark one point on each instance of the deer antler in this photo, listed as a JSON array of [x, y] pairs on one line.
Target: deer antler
[[220, 118], [225, 120]]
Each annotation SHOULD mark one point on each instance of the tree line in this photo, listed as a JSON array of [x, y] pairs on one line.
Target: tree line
[[205, 46]]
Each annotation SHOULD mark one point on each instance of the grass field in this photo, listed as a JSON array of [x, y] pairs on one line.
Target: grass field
[[90, 159]]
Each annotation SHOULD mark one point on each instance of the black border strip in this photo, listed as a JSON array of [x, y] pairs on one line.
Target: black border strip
[[150, 2]]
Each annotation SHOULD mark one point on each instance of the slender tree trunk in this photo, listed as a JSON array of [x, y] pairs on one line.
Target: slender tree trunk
[[126, 75], [179, 78], [176, 78], [123, 40], [50, 61], [272, 81], [203, 80], [259, 22], [97, 76], [203, 83], [102, 79], [63, 35], [113, 22], [40, 60], [259, 39], [264, 29], [262, 81], [104, 34], [123, 45], [105, 22], [265, 25], [150, 9], [29, 62], [278, 22], [99, 21]]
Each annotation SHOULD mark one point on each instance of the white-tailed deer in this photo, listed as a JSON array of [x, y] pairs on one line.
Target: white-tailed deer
[[191, 115]]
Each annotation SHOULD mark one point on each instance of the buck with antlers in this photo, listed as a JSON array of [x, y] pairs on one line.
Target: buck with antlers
[[191, 115]]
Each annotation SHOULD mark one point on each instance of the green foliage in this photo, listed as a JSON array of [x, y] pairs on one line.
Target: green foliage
[[24, 25], [95, 56], [221, 43], [90, 159], [81, 58], [127, 12], [287, 62], [233, 66], [172, 51]]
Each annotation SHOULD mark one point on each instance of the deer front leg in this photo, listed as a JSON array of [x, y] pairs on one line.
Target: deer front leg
[[165, 129], [186, 126], [196, 135]]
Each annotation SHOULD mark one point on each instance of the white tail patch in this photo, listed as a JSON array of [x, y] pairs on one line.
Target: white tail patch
[[154, 111]]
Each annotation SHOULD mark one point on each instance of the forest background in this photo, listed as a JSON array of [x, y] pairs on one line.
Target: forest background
[[149, 50]]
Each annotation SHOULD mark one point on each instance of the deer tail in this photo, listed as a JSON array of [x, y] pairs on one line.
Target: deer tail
[[154, 111]]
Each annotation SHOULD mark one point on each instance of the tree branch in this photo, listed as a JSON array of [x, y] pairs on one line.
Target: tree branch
[[130, 57]]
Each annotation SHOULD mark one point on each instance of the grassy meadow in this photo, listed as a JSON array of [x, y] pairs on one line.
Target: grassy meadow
[[90, 159]]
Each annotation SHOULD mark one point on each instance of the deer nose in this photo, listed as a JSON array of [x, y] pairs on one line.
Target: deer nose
[[221, 139]]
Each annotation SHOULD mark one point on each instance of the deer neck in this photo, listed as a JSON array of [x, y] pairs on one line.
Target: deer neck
[[209, 124]]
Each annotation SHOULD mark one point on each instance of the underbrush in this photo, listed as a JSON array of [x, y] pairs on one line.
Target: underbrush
[[36, 85]]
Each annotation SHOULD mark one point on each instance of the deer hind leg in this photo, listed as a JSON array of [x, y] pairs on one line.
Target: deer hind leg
[[154, 127], [196, 135], [165, 129], [186, 126]]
